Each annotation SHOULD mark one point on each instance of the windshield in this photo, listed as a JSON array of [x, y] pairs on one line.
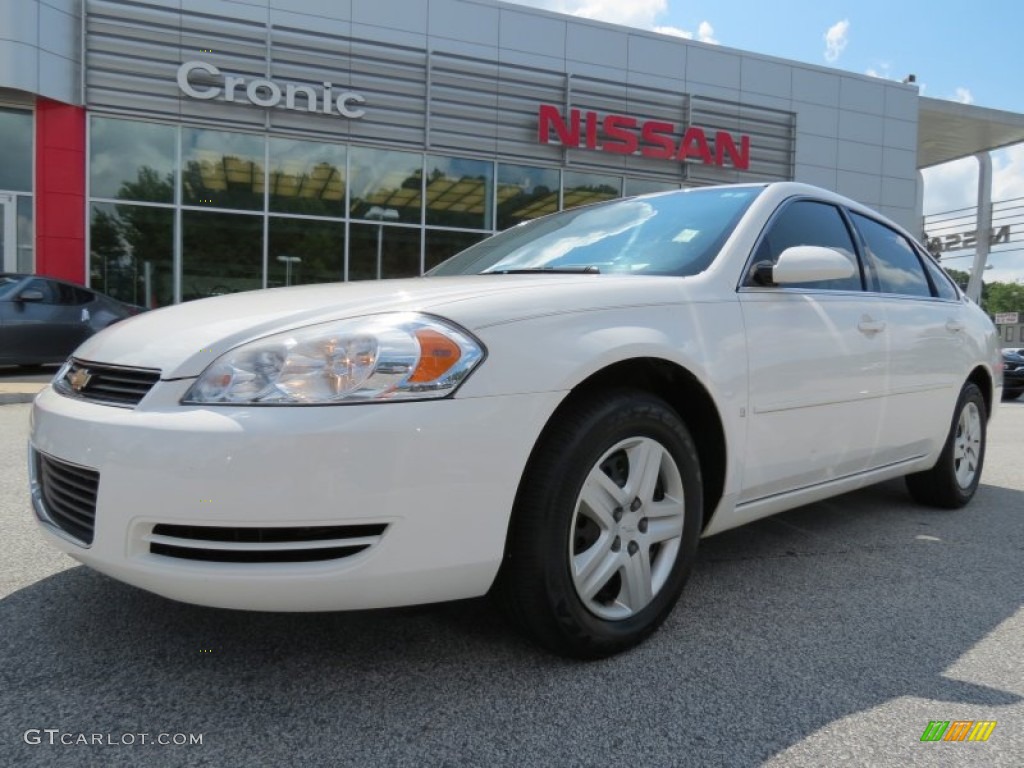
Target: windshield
[[674, 233]]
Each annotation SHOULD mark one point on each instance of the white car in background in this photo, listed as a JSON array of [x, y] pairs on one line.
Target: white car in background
[[557, 414]]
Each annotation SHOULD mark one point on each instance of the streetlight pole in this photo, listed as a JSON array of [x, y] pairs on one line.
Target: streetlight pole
[[288, 261], [381, 214]]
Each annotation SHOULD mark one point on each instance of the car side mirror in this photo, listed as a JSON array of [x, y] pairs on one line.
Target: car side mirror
[[810, 263], [30, 294]]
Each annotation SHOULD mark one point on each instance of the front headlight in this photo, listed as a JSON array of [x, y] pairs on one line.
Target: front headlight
[[367, 359]]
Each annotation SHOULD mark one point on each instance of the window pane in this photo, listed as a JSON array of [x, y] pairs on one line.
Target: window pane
[[895, 262], [16, 150], [441, 244], [943, 283], [459, 192], [646, 186], [586, 188], [26, 254], [386, 186], [306, 177], [379, 251], [525, 193], [809, 223], [221, 169], [221, 253], [305, 251], [131, 253], [131, 161], [678, 234]]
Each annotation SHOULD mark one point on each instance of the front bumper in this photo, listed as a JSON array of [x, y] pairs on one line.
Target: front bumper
[[440, 475]]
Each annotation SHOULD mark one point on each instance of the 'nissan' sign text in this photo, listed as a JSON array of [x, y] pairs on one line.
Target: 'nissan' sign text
[[627, 135]]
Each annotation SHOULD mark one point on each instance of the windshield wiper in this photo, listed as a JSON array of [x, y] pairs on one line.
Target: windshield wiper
[[576, 269]]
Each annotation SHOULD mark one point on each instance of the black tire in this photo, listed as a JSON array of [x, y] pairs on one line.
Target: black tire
[[1011, 394], [951, 483], [594, 444]]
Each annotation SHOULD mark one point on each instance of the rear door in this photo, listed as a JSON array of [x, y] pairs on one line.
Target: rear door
[[929, 356], [817, 356]]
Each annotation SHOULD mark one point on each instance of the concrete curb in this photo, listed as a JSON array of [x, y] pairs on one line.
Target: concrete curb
[[9, 398]]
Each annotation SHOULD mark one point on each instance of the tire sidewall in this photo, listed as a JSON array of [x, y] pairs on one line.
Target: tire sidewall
[[969, 394], [617, 419]]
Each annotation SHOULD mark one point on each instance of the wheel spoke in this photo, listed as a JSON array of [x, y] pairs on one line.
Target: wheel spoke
[[600, 572], [958, 450], [584, 563], [598, 479], [670, 506], [598, 501], [637, 591], [664, 529], [644, 466]]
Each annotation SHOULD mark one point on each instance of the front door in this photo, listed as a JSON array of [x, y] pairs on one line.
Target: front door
[[817, 355]]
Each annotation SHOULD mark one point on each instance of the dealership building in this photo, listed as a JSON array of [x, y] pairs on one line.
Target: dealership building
[[166, 150]]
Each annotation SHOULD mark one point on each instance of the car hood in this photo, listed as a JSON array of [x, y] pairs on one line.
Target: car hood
[[182, 340]]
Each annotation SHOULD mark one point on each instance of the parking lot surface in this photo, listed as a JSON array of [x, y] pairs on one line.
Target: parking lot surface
[[828, 635]]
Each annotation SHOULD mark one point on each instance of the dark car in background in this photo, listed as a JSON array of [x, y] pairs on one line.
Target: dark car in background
[[42, 320], [1013, 373]]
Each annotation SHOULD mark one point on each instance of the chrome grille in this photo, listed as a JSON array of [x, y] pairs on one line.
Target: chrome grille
[[68, 494], [221, 544], [107, 384]]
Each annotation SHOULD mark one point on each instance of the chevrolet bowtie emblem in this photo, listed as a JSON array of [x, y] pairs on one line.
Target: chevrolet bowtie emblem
[[79, 379]]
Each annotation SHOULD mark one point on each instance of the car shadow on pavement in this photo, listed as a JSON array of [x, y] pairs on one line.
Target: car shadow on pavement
[[787, 625]]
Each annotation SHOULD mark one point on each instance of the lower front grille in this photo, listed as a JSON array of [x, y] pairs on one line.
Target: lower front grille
[[68, 493], [222, 544]]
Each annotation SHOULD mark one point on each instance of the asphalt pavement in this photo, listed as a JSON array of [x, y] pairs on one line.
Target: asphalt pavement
[[829, 635]]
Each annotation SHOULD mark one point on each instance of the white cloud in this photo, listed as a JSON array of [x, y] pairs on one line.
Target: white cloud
[[836, 39], [706, 33], [963, 96], [676, 31]]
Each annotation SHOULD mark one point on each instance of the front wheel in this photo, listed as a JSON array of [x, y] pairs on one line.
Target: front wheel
[[952, 482], [605, 528]]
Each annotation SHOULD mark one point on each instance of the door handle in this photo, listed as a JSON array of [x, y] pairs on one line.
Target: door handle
[[85, 315], [870, 327], [954, 326]]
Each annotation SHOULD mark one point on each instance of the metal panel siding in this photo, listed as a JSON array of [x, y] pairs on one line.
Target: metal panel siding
[[440, 101]]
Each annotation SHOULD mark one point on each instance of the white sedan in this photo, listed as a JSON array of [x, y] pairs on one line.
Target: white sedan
[[556, 415]]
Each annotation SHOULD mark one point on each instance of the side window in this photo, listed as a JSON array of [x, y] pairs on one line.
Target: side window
[[65, 294], [893, 259], [944, 286], [806, 222]]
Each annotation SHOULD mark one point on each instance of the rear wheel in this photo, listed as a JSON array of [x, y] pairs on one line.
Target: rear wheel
[[952, 482], [605, 527]]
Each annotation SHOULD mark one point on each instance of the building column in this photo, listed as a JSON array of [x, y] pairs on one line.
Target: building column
[[983, 229], [60, 190]]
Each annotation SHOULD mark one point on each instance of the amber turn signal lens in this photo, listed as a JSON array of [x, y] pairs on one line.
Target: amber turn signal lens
[[438, 354]]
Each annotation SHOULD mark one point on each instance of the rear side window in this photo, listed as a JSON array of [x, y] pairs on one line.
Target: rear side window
[[943, 283], [807, 222], [893, 259]]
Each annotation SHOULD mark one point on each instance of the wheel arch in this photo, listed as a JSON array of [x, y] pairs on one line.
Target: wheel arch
[[684, 393], [983, 379]]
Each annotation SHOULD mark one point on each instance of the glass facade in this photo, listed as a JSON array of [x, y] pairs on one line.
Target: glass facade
[[182, 212], [16, 210]]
